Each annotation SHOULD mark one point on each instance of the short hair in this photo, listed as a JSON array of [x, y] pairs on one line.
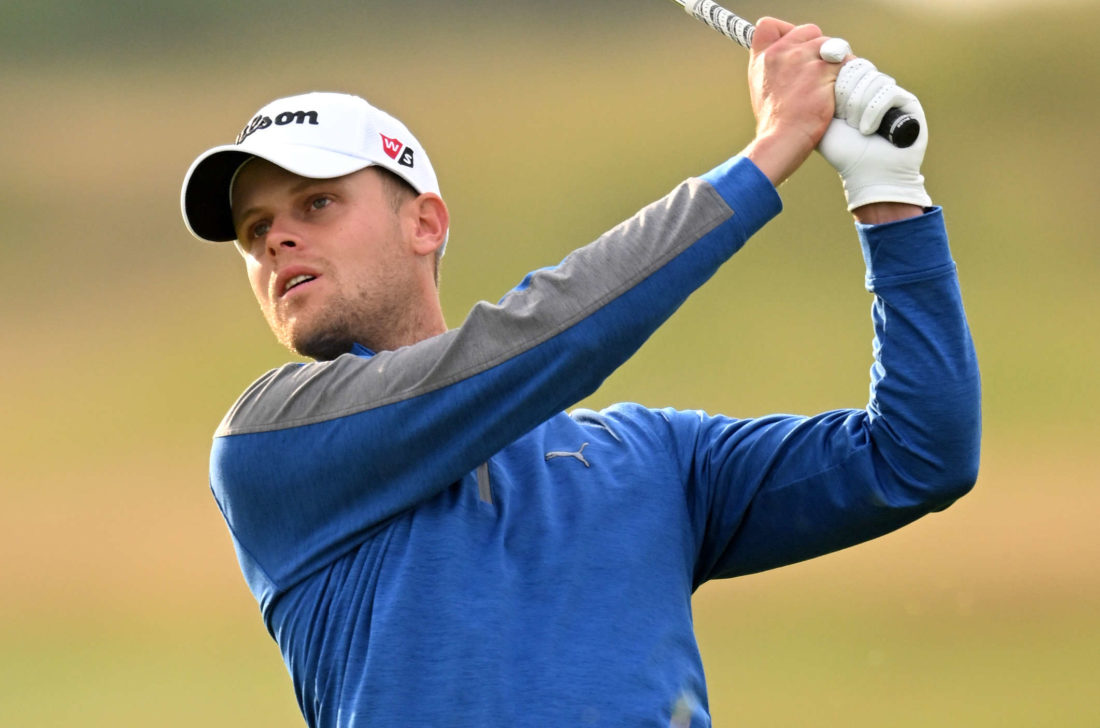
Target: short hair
[[399, 191]]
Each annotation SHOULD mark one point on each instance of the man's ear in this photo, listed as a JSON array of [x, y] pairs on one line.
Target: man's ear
[[431, 220]]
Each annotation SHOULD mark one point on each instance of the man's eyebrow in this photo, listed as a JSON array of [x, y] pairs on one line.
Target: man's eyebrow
[[239, 218], [307, 182]]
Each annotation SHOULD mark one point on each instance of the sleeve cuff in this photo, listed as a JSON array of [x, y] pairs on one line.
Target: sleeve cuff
[[905, 249], [748, 192]]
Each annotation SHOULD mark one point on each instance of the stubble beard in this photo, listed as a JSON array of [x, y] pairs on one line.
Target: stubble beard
[[326, 340], [344, 321], [328, 334]]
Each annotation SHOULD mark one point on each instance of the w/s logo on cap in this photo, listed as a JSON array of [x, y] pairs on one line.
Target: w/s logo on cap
[[393, 148]]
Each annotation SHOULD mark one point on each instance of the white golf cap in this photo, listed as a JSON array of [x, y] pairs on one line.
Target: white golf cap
[[318, 135]]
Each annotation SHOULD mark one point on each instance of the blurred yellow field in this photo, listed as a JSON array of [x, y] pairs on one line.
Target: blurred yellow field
[[125, 341]]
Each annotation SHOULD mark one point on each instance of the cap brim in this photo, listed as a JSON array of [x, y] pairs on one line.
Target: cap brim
[[205, 198]]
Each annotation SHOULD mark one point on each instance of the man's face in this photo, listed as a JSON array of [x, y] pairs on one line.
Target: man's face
[[327, 259]]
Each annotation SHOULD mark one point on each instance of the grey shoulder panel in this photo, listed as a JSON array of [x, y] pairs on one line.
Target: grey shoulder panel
[[554, 300]]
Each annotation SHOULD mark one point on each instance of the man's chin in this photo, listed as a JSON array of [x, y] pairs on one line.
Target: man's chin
[[321, 345]]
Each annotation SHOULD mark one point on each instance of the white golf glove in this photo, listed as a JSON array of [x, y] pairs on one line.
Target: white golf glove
[[871, 168]]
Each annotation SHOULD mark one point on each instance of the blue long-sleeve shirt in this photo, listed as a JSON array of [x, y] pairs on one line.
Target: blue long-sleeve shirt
[[433, 541]]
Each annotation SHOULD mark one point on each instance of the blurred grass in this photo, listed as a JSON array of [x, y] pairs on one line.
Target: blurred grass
[[836, 666], [124, 341]]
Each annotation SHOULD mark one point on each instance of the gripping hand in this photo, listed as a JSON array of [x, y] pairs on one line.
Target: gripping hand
[[872, 169]]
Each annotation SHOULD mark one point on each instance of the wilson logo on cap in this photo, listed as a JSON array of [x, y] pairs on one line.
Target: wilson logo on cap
[[287, 117], [393, 148]]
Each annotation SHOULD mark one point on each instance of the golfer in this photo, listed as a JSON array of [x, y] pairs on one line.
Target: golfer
[[432, 539]]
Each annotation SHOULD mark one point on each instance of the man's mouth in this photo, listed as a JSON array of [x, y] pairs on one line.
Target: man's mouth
[[296, 281]]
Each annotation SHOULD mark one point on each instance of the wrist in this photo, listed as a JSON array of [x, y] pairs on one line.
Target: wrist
[[777, 155], [872, 186], [878, 213]]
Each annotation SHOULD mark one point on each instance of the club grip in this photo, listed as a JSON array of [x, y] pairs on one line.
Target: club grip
[[899, 128]]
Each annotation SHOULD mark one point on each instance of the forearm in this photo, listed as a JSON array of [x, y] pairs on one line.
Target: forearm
[[778, 156], [925, 383], [879, 213]]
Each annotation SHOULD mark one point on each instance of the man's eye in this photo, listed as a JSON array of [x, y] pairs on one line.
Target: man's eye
[[319, 202], [259, 230]]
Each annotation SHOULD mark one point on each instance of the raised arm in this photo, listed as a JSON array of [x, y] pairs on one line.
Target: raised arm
[[772, 491], [781, 489]]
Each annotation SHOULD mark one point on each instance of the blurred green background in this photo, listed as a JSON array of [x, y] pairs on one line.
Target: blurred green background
[[124, 340]]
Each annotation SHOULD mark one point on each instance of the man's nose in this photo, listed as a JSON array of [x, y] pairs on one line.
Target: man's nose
[[283, 236]]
